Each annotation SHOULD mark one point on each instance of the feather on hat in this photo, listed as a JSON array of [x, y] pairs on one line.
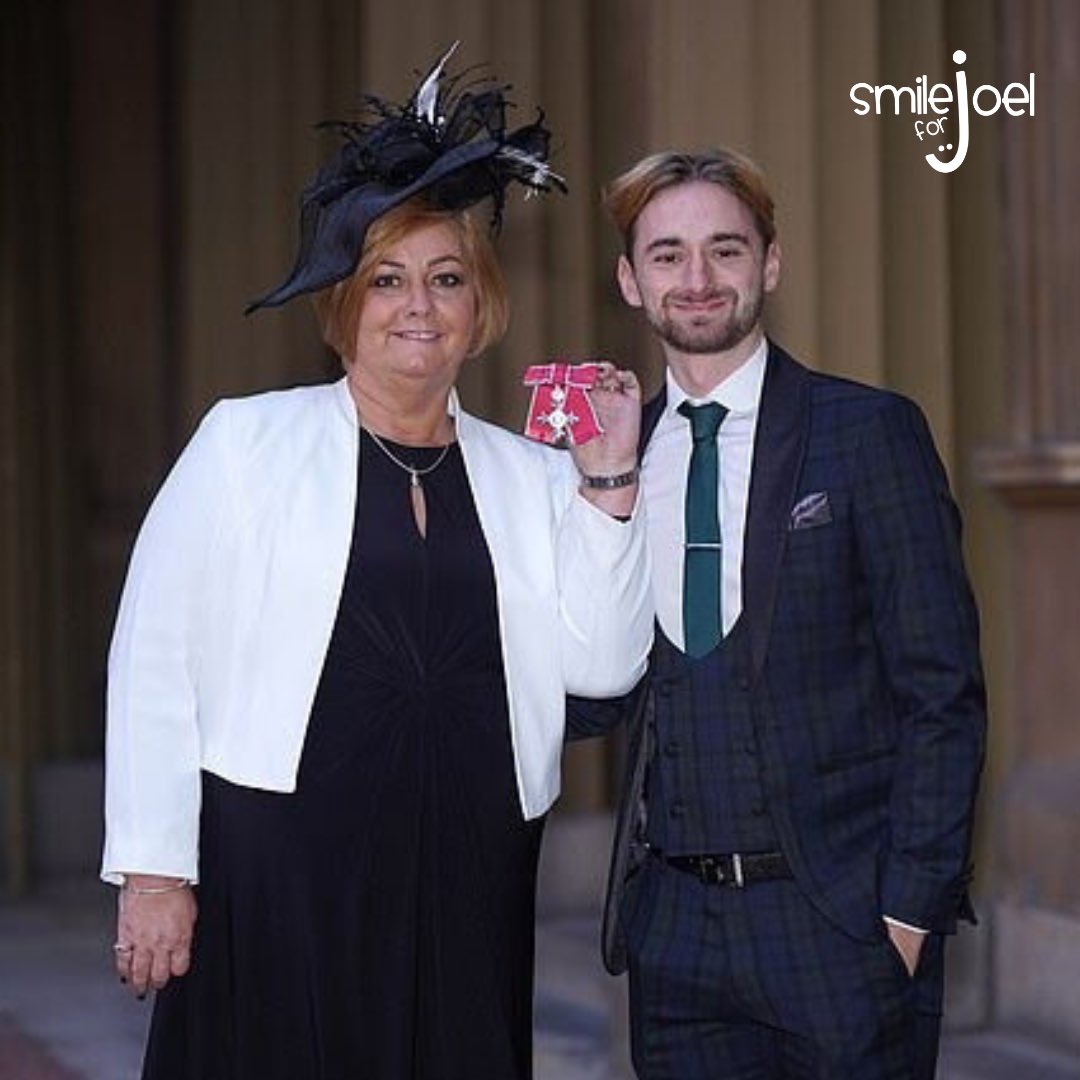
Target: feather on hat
[[448, 141]]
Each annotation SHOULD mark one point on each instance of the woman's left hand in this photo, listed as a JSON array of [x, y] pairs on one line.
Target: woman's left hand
[[154, 931], [616, 397]]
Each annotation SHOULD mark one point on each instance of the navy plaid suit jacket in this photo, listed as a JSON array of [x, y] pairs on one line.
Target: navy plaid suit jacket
[[866, 682]]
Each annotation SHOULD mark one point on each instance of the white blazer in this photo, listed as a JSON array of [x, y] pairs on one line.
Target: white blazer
[[233, 589]]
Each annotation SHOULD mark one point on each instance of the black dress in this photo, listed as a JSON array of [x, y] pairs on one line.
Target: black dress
[[377, 924]]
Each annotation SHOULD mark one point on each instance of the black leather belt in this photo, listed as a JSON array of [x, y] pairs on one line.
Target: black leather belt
[[734, 870]]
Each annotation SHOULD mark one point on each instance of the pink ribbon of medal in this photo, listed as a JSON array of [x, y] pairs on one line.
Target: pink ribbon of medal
[[560, 411]]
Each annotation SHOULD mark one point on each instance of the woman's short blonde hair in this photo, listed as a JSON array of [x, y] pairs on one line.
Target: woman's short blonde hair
[[338, 307]]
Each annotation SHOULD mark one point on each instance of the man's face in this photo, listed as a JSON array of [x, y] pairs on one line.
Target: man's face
[[699, 269]]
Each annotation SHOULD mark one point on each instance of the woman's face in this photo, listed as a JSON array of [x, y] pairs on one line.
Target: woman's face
[[419, 311]]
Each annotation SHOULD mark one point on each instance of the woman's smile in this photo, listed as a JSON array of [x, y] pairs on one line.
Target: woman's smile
[[418, 335]]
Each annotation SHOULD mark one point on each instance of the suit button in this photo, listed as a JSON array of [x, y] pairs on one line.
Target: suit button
[[672, 747], [757, 809], [750, 748], [677, 809], [663, 690], [744, 683]]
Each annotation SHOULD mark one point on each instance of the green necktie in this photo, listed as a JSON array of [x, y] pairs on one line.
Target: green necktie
[[703, 563]]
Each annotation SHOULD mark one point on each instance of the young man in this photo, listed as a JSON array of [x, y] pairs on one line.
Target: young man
[[794, 834]]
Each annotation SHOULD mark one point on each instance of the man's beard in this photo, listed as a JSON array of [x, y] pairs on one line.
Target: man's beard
[[715, 337]]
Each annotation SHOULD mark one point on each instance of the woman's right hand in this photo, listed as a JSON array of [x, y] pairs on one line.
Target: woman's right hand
[[154, 931]]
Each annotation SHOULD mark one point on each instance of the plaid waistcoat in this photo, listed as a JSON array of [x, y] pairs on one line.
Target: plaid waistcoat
[[704, 790]]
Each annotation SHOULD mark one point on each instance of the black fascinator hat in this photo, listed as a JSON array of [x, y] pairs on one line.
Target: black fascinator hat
[[449, 141]]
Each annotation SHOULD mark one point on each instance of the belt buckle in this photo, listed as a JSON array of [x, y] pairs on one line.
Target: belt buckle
[[736, 866], [711, 871]]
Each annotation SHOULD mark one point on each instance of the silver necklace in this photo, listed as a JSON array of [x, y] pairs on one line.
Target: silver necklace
[[414, 473]]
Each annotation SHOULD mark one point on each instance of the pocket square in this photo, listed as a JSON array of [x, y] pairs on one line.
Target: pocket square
[[810, 511]]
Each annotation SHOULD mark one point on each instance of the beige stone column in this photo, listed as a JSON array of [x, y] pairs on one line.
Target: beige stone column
[[38, 553], [14, 757], [184, 137], [915, 284], [846, 166], [251, 86], [1036, 470], [121, 252]]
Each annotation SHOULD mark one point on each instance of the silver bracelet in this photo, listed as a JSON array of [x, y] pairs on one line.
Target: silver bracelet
[[155, 890], [609, 483]]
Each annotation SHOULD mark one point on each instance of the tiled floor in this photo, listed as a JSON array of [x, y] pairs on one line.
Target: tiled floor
[[56, 988]]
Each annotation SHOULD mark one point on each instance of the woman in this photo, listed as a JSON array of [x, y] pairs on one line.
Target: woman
[[337, 678]]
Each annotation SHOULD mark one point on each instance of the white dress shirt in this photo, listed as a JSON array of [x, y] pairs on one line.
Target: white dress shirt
[[663, 477]]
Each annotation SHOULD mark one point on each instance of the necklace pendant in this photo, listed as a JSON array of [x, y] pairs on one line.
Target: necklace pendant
[[414, 479]]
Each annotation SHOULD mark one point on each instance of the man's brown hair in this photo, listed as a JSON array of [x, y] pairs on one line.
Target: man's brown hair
[[627, 195]]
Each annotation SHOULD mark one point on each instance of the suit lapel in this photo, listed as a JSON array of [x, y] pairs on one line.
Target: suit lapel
[[779, 447]]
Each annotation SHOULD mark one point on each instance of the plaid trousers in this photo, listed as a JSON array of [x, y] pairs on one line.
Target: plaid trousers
[[756, 984]]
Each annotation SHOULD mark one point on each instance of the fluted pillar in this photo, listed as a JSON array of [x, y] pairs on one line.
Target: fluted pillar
[[177, 138], [40, 560], [1036, 470]]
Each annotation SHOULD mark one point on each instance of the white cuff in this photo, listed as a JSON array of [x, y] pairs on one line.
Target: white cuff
[[906, 926]]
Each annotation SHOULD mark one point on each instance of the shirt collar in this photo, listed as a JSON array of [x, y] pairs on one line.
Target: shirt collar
[[739, 393]]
